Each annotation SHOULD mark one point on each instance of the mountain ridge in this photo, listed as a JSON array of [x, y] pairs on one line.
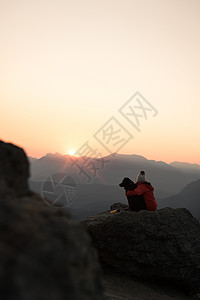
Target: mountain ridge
[[173, 163], [111, 169], [189, 197]]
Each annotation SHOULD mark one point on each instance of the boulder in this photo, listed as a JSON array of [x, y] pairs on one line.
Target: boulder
[[14, 169], [160, 245], [43, 254]]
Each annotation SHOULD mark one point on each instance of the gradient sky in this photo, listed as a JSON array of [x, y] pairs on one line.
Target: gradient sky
[[68, 66]]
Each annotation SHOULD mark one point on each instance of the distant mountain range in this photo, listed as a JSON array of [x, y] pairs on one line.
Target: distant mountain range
[[32, 159], [168, 179], [176, 184], [186, 168], [189, 198]]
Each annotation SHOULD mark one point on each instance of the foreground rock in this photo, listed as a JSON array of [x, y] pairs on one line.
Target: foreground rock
[[14, 169], [43, 254], [161, 245], [122, 287]]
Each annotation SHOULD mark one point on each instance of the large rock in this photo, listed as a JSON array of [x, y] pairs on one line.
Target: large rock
[[14, 169], [43, 254], [160, 245]]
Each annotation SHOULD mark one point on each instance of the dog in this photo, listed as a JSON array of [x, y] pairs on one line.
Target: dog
[[128, 184], [135, 203]]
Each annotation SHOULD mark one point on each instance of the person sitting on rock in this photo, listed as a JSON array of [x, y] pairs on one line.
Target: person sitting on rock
[[146, 189]]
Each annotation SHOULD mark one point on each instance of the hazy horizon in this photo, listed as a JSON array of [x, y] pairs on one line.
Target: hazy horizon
[[128, 154]]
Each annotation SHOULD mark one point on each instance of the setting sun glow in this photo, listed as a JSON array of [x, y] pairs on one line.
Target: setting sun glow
[[72, 152], [68, 67]]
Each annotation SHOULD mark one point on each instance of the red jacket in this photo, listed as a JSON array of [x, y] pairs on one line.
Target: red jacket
[[146, 189]]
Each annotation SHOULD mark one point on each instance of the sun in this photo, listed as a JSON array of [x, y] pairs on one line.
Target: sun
[[72, 152]]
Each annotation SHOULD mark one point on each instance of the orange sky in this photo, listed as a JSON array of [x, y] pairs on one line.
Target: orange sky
[[67, 67]]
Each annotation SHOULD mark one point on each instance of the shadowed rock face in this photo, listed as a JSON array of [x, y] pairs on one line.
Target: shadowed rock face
[[164, 244], [43, 254], [14, 169]]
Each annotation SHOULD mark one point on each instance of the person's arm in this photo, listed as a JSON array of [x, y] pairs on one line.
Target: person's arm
[[138, 191]]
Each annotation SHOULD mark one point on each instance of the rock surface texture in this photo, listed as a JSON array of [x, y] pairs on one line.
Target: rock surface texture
[[161, 245], [43, 254]]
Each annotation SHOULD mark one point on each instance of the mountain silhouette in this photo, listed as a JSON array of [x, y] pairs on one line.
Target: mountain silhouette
[[186, 168], [189, 198], [166, 178]]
